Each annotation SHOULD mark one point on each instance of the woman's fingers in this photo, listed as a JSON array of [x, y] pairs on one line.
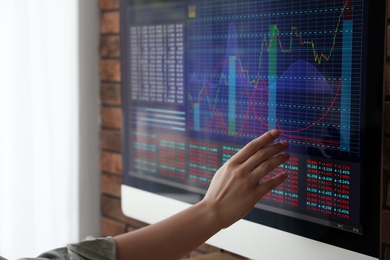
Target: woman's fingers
[[270, 184], [262, 155], [255, 145], [269, 165]]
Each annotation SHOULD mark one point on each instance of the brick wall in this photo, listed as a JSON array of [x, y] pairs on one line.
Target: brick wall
[[113, 222]]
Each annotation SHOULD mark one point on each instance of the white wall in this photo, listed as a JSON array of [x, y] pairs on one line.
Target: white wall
[[49, 123]]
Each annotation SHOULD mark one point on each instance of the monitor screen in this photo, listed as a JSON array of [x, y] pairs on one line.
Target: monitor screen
[[202, 78]]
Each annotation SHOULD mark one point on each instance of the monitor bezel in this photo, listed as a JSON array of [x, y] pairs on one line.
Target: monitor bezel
[[369, 242]]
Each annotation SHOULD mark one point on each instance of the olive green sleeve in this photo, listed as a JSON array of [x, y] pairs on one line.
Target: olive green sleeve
[[99, 249]]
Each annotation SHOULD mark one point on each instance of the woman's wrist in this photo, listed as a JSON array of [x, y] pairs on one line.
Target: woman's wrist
[[211, 214]]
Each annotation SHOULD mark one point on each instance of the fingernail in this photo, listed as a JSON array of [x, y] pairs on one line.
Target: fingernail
[[274, 132]]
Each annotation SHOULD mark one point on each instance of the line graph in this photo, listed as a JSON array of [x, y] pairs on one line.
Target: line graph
[[294, 32], [300, 78]]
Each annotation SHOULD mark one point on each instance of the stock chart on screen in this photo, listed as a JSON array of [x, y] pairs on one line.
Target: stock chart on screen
[[255, 66], [206, 77], [250, 71]]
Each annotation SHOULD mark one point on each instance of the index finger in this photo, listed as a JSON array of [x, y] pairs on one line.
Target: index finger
[[253, 146]]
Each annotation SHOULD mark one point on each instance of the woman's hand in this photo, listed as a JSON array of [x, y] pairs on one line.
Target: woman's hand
[[237, 187], [234, 191]]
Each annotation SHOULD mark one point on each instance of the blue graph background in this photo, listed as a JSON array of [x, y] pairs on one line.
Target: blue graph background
[[253, 67]]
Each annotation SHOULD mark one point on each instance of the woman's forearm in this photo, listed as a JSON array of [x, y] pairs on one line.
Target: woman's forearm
[[171, 238]]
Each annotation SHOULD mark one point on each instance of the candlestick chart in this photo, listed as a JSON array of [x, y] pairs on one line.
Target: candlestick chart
[[250, 71]]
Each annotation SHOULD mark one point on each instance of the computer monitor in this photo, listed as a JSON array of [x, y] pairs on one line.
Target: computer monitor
[[202, 78]]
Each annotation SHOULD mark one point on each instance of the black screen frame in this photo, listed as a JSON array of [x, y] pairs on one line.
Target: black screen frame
[[369, 242]]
